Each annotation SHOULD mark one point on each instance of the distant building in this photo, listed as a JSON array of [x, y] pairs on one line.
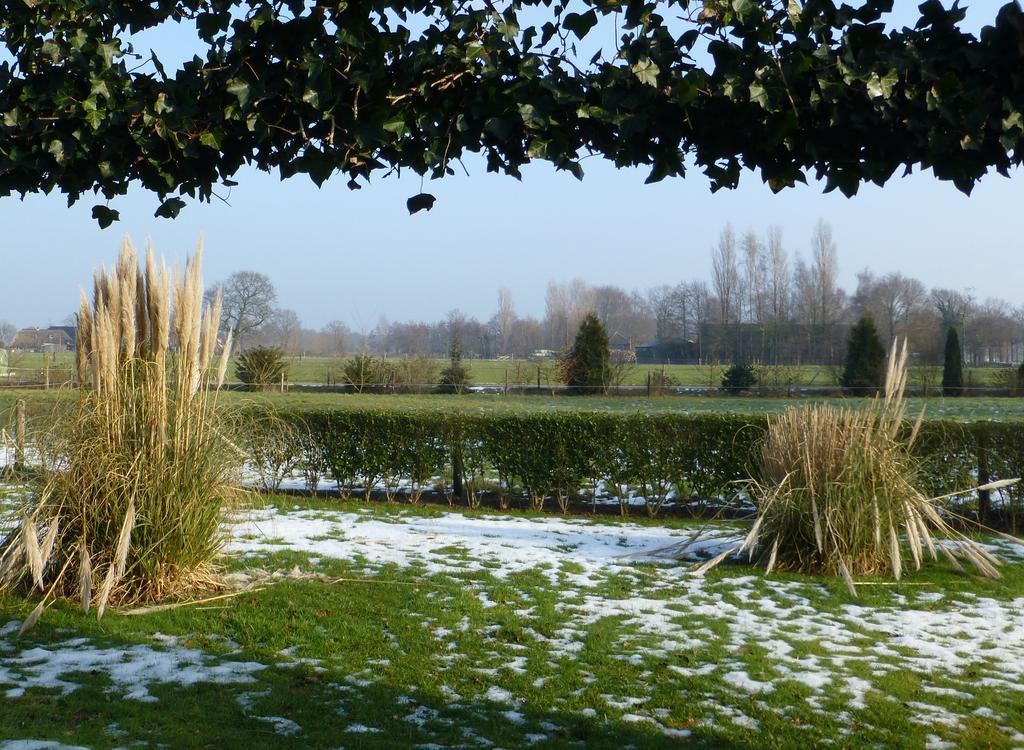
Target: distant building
[[544, 354], [667, 352], [52, 339]]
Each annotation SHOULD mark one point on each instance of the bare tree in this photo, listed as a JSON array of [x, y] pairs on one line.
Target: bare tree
[[662, 302], [249, 299], [725, 275], [779, 288], [621, 313], [338, 337], [824, 272], [7, 331], [504, 318], [954, 310], [753, 279], [953, 306], [892, 300], [995, 333], [284, 330], [565, 307]]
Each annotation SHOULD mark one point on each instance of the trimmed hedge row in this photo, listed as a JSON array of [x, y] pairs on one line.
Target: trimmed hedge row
[[534, 457], [958, 456]]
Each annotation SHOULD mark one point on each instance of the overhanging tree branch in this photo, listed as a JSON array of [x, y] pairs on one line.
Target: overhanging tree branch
[[370, 85]]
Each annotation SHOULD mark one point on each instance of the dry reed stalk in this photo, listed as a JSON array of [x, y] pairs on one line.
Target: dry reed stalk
[[84, 576], [141, 470], [835, 493]]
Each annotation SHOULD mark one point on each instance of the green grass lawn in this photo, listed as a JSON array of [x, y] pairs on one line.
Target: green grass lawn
[[315, 369], [432, 629], [318, 369], [936, 407]]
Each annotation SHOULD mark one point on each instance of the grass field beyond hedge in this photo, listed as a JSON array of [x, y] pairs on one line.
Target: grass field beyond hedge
[[320, 369], [967, 409]]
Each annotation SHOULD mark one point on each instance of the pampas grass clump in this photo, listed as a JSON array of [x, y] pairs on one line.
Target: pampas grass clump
[[836, 494], [138, 472]]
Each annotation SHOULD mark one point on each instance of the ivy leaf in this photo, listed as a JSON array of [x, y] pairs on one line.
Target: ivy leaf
[[209, 138], [240, 89], [56, 148], [105, 216], [743, 8], [108, 50], [881, 88], [170, 208], [396, 126], [647, 72], [420, 202], [759, 95], [580, 23]]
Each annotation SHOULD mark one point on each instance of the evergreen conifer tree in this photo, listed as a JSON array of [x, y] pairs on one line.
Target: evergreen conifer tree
[[455, 377], [865, 359], [952, 367], [585, 369], [739, 377]]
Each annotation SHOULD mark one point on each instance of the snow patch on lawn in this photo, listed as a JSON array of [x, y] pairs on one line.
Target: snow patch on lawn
[[502, 545], [132, 670], [670, 611]]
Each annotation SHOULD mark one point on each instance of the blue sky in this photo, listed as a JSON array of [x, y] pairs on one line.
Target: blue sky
[[337, 254]]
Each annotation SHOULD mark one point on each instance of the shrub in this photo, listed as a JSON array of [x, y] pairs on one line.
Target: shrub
[[865, 360], [836, 490], [586, 368], [621, 364], [313, 462], [953, 365], [273, 445], [739, 378], [364, 370], [261, 368], [455, 377], [661, 382], [415, 374], [130, 508]]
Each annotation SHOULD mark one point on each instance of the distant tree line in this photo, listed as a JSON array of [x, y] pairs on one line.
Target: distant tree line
[[762, 303]]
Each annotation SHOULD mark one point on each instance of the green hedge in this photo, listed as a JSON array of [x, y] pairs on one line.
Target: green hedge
[[535, 458]]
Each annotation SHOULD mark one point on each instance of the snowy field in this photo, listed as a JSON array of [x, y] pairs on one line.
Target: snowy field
[[546, 625]]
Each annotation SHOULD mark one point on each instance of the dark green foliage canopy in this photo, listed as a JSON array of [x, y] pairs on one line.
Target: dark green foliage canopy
[[374, 86], [953, 365], [865, 359], [585, 368], [739, 378]]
